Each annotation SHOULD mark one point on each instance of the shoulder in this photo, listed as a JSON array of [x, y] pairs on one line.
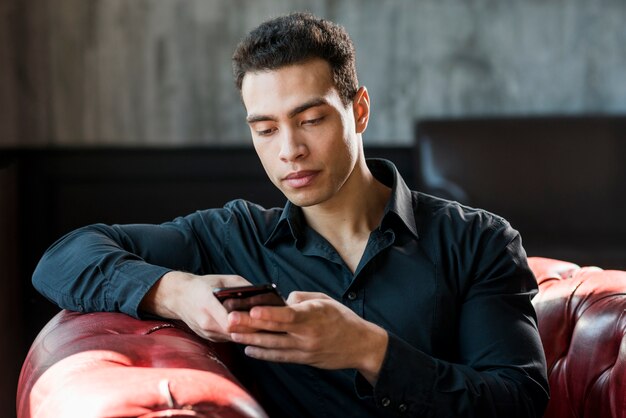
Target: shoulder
[[471, 243], [254, 212], [439, 209], [244, 216], [450, 220]]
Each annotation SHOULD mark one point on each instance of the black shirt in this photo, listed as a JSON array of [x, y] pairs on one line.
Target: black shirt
[[449, 283]]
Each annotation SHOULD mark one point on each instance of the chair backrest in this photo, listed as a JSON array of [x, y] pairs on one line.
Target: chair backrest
[[582, 322], [558, 180]]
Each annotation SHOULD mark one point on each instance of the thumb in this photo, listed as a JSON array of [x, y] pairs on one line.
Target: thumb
[[298, 297]]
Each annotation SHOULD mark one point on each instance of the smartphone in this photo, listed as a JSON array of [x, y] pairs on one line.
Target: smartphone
[[243, 298]]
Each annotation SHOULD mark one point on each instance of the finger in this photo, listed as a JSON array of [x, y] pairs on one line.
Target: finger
[[240, 329], [298, 297], [277, 356], [272, 313], [264, 339], [217, 338], [218, 313], [211, 335], [245, 320], [237, 321], [233, 280]]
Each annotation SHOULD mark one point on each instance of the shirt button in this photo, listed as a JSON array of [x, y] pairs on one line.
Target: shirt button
[[352, 296], [402, 407], [385, 402]]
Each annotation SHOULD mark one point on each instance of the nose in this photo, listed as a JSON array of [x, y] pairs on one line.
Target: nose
[[292, 147]]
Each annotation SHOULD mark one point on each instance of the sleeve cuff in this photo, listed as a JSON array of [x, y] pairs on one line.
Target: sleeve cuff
[[405, 383], [134, 280]]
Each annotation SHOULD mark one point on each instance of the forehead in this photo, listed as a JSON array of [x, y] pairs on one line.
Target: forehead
[[280, 90]]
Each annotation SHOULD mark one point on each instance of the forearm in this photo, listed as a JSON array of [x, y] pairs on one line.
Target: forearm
[[496, 369], [423, 385], [111, 268], [84, 270]]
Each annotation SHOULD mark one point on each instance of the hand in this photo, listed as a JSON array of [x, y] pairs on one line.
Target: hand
[[313, 329], [190, 298]]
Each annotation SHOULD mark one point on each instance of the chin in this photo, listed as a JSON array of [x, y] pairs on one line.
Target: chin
[[303, 200], [303, 203]]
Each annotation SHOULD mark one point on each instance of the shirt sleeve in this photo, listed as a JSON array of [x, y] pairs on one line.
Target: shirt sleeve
[[501, 369], [111, 268]]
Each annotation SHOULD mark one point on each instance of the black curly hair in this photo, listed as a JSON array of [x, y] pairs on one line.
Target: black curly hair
[[295, 38]]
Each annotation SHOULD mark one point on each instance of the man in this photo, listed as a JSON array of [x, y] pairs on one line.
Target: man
[[398, 303]]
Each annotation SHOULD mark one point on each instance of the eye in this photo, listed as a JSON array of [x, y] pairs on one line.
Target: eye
[[313, 121], [266, 132]]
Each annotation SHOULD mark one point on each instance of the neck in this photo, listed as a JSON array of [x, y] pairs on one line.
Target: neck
[[354, 212]]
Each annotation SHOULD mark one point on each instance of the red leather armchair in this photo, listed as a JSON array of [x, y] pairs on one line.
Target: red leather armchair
[[582, 322], [112, 365], [109, 364]]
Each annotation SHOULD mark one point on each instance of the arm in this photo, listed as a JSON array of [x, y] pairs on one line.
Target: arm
[[117, 268], [108, 268], [500, 370]]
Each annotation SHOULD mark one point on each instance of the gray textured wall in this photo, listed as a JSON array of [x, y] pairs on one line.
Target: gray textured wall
[[158, 72]]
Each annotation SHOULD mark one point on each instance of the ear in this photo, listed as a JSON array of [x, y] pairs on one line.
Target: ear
[[361, 109]]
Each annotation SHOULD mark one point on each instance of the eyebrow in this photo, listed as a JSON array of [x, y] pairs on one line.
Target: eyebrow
[[318, 101]]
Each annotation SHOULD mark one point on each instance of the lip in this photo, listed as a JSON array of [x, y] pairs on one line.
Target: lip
[[298, 179]]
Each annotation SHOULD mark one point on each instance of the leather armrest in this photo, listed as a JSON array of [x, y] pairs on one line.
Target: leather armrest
[[582, 322], [110, 364]]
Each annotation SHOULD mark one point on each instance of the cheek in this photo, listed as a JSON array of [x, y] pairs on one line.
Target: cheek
[[344, 143], [264, 153]]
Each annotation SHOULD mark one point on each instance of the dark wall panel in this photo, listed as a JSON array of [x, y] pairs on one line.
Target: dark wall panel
[[558, 180]]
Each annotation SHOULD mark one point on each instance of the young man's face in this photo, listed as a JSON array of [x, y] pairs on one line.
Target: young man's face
[[307, 140]]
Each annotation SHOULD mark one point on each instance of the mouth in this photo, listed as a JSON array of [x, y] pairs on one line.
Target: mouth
[[300, 179]]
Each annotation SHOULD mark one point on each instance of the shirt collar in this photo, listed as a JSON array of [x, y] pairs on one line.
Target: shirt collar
[[290, 223], [400, 205]]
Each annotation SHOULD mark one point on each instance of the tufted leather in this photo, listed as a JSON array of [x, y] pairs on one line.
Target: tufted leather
[[109, 364], [582, 321]]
